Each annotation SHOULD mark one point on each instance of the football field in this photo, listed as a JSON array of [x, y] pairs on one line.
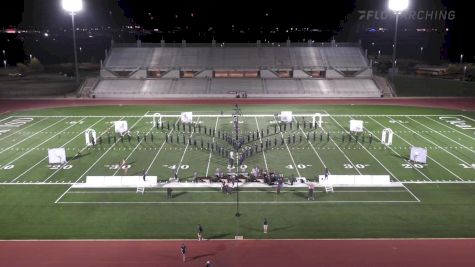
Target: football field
[[200, 150]]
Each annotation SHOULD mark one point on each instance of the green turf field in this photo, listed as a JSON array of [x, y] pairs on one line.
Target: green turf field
[[37, 199]]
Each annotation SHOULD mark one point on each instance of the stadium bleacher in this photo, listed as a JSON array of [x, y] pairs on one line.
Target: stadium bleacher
[[199, 70]]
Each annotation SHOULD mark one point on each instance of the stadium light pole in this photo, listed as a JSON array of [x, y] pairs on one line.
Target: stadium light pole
[[236, 115], [4, 59], [73, 6], [397, 6]]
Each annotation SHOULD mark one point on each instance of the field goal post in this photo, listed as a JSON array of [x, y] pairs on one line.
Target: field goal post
[[90, 136], [319, 121], [157, 119], [387, 137]]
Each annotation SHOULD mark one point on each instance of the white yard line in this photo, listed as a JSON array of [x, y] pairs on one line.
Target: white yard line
[[380, 163], [455, 128], [240, 202], [135, 148], [311, 145], [160, 149], [400, 156], [217, 191], [32, 149], [210, 153], [434, 143], [103, 154], [35, 134], [23, 173], [49, 177], [4, 119], [186, 149], [413, 145], [471, 150], [344, 154], [21, 129], [230, 115], [468, 118], [264, 153]]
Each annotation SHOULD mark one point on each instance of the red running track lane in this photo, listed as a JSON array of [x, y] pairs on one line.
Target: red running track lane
[[249, 253], [468, 104]]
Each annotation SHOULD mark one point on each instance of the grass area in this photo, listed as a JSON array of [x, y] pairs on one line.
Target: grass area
[[28, 209], [446, 210], [426, 86]]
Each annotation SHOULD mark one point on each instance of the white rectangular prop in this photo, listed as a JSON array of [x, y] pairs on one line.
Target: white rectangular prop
[[120, 127], [187, 117], [286, 116], [56, 155], [355, 180], [418, 154], [356, 126]]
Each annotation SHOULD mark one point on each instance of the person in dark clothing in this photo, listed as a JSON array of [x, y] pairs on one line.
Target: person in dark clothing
[[183, 252], [169, 193], [200, 232]]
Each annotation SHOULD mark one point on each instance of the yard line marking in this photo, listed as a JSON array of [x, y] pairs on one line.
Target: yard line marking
[[427, 155], [21, 129], [314, 150], [186, 148], [270, 191], [468, 118], [209, 158], [35, 134], [263, 153], [4, 119], [27, 152], [344, 154], [78, 149], [23, 173], [241, 202], [165, 115], [466, 135], [382, 165], [400, 156], [435, 144], [136, 146], [103, 154], [160, 149]]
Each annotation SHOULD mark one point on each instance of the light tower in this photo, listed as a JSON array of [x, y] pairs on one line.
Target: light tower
[[237, 113], [73, 6], [397, 6]]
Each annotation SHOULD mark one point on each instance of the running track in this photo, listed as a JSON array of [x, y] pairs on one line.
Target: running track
[[249, 253]]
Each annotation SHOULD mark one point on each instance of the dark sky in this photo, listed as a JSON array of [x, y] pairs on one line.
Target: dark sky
[[218, 17], [175, 13]]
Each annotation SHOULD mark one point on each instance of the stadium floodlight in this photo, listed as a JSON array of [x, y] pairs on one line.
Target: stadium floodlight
[[73, 6], [397, 6]]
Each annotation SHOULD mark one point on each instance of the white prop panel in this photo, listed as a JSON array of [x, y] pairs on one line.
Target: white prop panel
[[387, 137], [90, 135], [56, 155], [187, 117], [356, 126], [286, 116], [418, 154], [120, 127]]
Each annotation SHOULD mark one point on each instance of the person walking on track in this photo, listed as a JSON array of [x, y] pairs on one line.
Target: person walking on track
[[183, 252]]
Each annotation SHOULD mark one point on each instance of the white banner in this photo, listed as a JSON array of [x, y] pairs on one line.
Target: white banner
[[56, 155]]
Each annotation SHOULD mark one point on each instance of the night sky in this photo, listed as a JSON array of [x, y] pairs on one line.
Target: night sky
[[239, 21]]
